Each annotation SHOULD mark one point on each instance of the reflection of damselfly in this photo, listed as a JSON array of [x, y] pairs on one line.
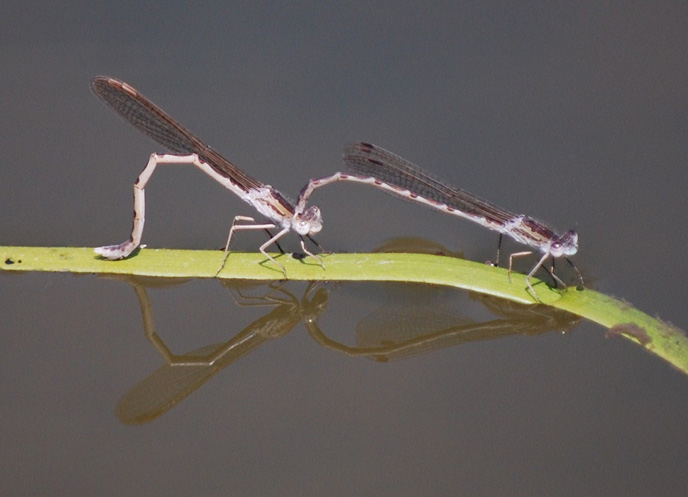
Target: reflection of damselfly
[[416, 320], [375, 166], [152, 121], [183, 374]]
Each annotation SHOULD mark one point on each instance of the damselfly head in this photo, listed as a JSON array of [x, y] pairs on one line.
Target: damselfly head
[[308, 222], [566, 244]]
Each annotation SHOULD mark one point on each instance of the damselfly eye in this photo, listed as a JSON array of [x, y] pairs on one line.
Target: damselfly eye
[[308, 222]]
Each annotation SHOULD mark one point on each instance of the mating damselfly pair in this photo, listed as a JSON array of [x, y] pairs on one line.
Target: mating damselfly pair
[[366, 163]]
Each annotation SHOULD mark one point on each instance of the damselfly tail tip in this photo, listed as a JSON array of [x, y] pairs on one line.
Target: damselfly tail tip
[[116, 252]]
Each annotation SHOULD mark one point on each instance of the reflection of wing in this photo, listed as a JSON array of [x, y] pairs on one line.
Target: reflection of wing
[[396, 332], [410, 328], [174, 382], [165, 388]]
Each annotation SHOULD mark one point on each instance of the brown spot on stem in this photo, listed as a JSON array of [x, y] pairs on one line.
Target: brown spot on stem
[[631, 330]]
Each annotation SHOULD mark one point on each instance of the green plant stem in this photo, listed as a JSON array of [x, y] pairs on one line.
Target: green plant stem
[[619, 317]]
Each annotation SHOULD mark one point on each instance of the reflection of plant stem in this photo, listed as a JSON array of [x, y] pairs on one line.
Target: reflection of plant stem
[[659, 338]]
